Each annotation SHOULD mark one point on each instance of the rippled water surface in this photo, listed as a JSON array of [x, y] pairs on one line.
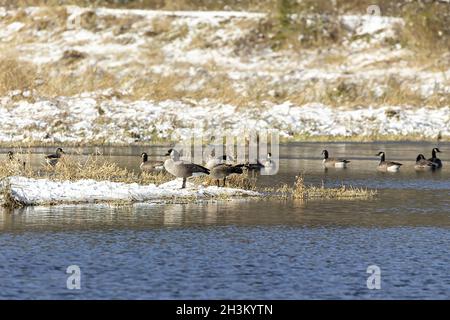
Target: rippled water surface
[[245, 248]]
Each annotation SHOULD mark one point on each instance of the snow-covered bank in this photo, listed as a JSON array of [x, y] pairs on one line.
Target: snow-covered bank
[[27, 191], [123, 122]]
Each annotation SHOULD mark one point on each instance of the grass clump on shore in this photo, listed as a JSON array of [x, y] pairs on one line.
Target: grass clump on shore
[[87, 167], [301, 191]]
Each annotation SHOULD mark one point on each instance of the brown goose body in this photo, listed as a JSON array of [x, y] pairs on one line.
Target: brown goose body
[[52, 159], [435, 159], [182, 169], [389, 166], [423, 164], [222, 171], [150, 165], [333, 162]]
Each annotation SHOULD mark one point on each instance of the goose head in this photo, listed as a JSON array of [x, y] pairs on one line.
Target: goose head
[[173, 154], [60, 151], [269, 155], [382, 156], [10, 155], [420, 157], [433, 152], [144, 157], [325, 154]]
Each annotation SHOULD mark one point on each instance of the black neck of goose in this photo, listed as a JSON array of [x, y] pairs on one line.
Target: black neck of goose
[[144, 158], [433, 153], [325, 154], [419, 157], [382, 158]]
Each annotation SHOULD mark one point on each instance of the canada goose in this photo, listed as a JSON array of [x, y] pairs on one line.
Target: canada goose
[[12, 158], [150, 165], [182, 169], [434, 159], [52, 159], [222, 171], [423, 164], [253, 167], [269, 163], [387, 165], [214, 161], [333, 162]]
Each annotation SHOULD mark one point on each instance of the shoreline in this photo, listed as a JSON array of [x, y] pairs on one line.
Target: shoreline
[[168, 143]]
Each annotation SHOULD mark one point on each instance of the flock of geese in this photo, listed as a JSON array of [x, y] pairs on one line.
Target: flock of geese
[[421, 164], [219, 169]]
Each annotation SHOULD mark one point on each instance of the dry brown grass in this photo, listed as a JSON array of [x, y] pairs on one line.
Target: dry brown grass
[[240, 181], [302, 191], [15, 74], [70, 168], [69, 84]]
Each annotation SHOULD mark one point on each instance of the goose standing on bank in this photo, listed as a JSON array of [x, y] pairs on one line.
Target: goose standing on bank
[[222, 171], [423, 164], [182, 169], [434, 159], [150, 165], [214, 161], [52, 159], [387, 165], [254, 167], [333, 162]]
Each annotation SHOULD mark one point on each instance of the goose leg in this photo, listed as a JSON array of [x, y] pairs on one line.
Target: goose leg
[[184, 183], [224, 179], [218, 182]]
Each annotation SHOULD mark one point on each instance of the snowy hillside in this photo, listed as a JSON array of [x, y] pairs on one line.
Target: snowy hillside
[[124, 76]]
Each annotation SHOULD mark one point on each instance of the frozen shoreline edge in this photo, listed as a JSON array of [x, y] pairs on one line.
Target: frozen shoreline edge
[[24, 191]]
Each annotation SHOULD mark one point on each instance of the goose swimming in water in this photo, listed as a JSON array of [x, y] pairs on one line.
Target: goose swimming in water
[[150, 165], [52, 159], [423, 164], [333, 162], [435, 159], [269, 164], [387, 165], [182, 169]]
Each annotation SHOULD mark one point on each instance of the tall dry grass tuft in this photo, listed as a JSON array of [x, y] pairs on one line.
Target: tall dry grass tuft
[[299, 190], [92, 167], [239, 181], [15, 75], [70, 168]]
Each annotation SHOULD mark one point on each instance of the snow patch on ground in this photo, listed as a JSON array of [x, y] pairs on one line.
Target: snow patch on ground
[[77, 119], [29, 191]]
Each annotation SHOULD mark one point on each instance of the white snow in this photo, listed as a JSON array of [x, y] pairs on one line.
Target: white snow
[[29, 191], [79, 120]]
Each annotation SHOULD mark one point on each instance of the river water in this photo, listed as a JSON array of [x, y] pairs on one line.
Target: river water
[[253, 249]]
